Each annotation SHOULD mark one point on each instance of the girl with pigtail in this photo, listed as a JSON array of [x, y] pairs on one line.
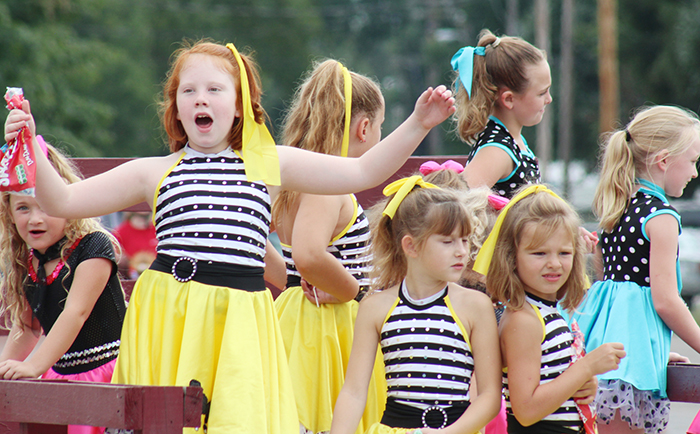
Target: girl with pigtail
[[433, 333], [638, 301], [325, 243], [502, 86]]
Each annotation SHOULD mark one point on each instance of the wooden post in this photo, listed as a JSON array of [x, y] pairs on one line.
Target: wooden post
[[542, 41], [566, 89], [608, 69]]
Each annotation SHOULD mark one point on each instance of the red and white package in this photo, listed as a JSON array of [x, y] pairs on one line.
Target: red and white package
[[17, 162], [586, 411]]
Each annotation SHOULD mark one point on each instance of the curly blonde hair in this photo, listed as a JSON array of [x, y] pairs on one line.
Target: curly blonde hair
[[502, 66], [14, 251]]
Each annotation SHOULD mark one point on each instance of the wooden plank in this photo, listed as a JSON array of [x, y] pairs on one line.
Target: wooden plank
[[683, 382], [155, 409]]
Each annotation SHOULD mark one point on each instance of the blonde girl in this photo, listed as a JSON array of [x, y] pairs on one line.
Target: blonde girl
[[202, 311], [59, 279], [638, 301], [433, 333], [502, 86], [534, 261], [325, 242]]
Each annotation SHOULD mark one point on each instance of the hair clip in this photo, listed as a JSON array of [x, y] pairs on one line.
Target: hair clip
[[498, 202], [432, 166], [628, 136]]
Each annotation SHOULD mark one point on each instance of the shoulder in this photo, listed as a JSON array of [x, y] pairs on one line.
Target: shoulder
[[378, 303], [467, 298], [95, 244], [521, 324]]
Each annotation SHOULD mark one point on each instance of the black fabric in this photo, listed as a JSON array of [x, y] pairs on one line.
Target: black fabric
[[214, 273], [53, 252], [397, 415], [103, 325], [541, 427]]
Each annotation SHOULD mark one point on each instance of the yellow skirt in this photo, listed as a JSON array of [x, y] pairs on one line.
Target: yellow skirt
[[318, 342], [227, 339]]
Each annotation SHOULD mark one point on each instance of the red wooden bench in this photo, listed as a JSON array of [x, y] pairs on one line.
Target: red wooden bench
[[46, 407]]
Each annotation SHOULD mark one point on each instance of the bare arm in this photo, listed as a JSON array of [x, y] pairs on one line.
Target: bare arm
[[119, 188], [353, 396], [663, 237], [20, 348], [483, 337], [314, 226], [314, 173], [489, 165], [521, 337], [90, 279]]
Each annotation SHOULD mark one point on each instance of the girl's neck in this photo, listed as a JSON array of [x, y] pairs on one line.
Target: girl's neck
[[420, 286], [514, 127]]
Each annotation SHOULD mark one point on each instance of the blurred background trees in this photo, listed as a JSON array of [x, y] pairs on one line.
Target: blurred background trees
[[93, 68]]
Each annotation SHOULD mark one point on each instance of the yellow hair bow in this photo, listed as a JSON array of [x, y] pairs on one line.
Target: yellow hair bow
[[483, 259], [400, 189], [348, 109], [259, 150]]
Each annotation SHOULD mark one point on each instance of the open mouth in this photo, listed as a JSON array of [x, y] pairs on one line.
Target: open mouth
[[36, 232], [203, 121]]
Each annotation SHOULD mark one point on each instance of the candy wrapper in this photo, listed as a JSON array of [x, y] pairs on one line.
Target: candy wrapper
[[586, 411], [17, 162]]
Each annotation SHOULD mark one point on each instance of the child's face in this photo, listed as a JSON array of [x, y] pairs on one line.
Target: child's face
[[206, 103], [34, 226], [545, 268], [528, 106], [681, 169], [443, 257]]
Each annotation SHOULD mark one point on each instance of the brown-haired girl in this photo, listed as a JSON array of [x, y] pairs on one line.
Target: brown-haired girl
[[434, 333], [325, 243], [534, 260], [202, 310], [502, 86], [59, 279]]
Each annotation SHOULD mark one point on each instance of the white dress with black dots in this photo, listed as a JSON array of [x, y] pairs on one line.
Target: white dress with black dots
[[527, 168], [619, 308]]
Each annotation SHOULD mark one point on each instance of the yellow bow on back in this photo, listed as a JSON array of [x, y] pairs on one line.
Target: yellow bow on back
[[400, 189], [259, 150], [483, 259]]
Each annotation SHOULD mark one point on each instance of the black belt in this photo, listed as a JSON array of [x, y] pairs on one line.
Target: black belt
[[184, 269], [398, 415], [293, 280]]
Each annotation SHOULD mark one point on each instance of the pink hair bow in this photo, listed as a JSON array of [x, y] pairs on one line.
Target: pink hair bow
[[498, 202], [432, 166]]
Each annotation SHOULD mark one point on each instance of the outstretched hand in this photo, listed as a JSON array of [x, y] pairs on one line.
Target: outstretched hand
[[17, 119], [434, 106]]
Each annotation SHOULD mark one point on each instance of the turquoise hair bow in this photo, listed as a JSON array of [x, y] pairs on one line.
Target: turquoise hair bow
[[463, 61]]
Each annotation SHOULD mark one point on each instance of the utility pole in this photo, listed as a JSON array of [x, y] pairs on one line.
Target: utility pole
[[608, 67], [542, 40], [566, 89]]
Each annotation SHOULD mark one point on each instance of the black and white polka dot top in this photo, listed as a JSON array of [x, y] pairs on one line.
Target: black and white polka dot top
[[527, 168], [626, 249], [206, 209]]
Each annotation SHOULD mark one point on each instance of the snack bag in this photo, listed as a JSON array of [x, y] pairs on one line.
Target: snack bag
[[586, 411], [17, 162]]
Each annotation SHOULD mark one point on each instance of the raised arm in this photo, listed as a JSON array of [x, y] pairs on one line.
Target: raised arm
[[323, 174], [119, 188]]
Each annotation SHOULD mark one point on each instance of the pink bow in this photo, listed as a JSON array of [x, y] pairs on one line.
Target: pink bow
[[432, 166], [498, 202]]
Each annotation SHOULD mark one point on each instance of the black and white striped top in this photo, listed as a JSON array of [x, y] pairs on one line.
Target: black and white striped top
[[427, 355], [350, 247], [557, 354], [207, 210]]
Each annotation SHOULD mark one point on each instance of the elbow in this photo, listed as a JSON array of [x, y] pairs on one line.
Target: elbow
[[525, 416]]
